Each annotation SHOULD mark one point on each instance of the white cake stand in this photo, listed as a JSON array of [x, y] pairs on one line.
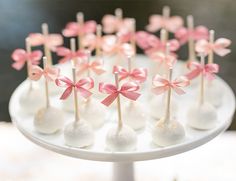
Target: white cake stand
[[146, 150]]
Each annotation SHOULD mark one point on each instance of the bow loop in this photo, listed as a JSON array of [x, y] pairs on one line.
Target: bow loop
[[49, 73]]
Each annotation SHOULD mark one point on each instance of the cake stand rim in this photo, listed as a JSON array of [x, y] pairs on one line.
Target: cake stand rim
[[126, 156]]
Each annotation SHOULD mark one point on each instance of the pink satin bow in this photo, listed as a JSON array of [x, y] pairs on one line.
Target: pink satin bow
[[20, 56], [168, 60], [51, 40], [68, 55], [73, 29], [127, 90], [82, 86], [112, 24], [156, 22], [196, 68], [95, 66], [138, 74], [161, 85], [219, 46], [50, 73], [183, 34]]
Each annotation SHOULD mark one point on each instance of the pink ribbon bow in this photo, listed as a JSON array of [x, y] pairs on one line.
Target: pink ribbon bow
[[168, 60], [20, 56], [183, 34], [208, 70], [112, 24], [95, 66], [161, 85], [50, 73], [137, 74], [156, 22], [51, 41], [219, 46], [68, 55], [127, 90], [82, 86], [73, 29]]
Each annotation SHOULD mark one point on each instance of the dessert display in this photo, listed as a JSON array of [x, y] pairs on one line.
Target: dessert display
[[156, 93]]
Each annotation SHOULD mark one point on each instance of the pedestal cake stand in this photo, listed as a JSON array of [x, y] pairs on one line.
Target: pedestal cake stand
[[123, 162]]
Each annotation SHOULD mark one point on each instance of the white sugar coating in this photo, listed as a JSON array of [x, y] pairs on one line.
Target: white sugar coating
[[214, 94], [49, 120], [32, 100], [135, 115], [93, 112], [121, 140], [202, 116], [78, 134], [158, 106], [168, 133]]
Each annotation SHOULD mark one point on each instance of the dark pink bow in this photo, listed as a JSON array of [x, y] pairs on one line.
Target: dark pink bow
[[161, 85], [50, 73], [20, 56], [183, 34], [82, 86], [73, 29], [51, 41], [95, 66], [127, 90], [137, 74], [208, 70], [171, 24], [69, 55], [219, 46]]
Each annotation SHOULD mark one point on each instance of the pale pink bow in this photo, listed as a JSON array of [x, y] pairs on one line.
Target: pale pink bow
[[138, 74], [112, 24], [82, 86], [51, 41], [161, 85], [20, 56], [219, 46], [73, 29], [69, 55], [184, 34], [50, 73], [168, 60], [128, 90], [209, 70], [94, 66], [157, 22]]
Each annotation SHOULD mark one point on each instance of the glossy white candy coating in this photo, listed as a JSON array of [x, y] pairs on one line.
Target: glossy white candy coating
[[49, 120], [168, 133], [121, 140], [78, 134]]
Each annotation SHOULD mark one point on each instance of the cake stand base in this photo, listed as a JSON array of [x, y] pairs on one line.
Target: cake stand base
[[123, 171]]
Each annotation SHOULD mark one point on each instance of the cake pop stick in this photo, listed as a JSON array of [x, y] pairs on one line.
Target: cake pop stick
[[98, 39], [166, 16], [46, 83], [164, 36], [133, 41], [191, 46], [77, 117], [202, 85], [120, 122], [47, 51], [80, 21], [168, 99], [119, 13], [211, 41], [73, 50]]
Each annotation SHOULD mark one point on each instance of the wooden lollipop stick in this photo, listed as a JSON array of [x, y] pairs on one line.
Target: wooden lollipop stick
[[129, 63], [202, 81], [77, 117], [47, 51], [168, 100], [45, 64], [99, 35], [132, 41], [163, 36], [191, 46], [88, 60], [119, 13], [211, 41], [73, 49], [120, 123], [80, 21], [28, 50], [166, 15]]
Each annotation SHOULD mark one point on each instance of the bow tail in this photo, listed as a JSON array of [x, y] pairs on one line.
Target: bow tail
[[131, 95], [109, 99], [84, 92], [66, 93], [193, 74]]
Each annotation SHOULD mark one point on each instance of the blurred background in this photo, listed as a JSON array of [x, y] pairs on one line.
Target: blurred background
[[19, 18]]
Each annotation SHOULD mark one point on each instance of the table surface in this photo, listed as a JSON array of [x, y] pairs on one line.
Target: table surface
[[22, 17], [22, 160]]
